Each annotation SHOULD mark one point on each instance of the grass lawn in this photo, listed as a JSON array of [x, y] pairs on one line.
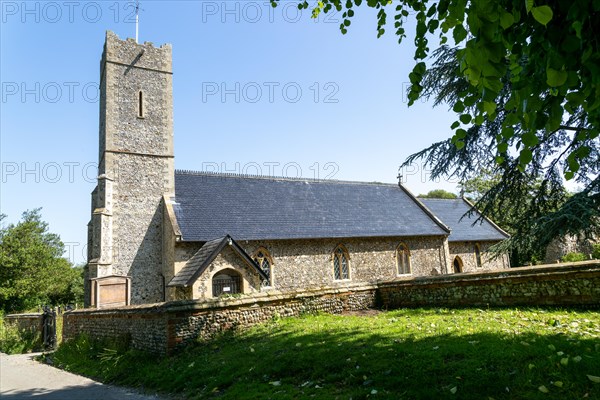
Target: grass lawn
[[404, 354]]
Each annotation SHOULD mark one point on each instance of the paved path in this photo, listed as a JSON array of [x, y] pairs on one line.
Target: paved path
[[23, 378]]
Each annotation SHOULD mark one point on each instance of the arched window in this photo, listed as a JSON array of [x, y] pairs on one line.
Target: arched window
[[265, 262], [341, 267], [140, 103], [403, 259], [478, 255]]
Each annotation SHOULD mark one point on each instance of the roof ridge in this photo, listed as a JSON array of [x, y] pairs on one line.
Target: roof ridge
[[279, 178], [437, 198]]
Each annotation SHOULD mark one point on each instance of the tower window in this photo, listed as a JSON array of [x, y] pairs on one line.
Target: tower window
[[140, 104]]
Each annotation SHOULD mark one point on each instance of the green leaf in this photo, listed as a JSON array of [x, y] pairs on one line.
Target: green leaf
[[507, 132], [459, 33], [489, 107], [431, 11], [572, 163], [458, 107], [577, 27], [555, 78], [528, 5], [465, 118], [529, 139], [542, 14], [506, 20], [493, 83], [525, 156], [543, 389], [455, 125], [569, 175]]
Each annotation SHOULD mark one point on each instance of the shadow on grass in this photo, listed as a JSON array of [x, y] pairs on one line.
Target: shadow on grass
[[396, 356], [83, 392]]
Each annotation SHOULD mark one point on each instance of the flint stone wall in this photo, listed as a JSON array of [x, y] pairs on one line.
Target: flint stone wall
[[165, 327], [572, 284]]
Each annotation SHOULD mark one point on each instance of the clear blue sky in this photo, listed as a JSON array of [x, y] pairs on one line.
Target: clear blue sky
[[350, 122]]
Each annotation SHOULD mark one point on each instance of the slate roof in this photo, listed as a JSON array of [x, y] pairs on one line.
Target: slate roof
[[451, 212], [259, 208], [198, 263]]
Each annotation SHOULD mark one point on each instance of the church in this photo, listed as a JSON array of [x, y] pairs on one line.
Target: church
[[158, 234]]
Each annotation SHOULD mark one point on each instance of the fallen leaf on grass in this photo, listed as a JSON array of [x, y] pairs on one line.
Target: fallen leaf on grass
[[543, 389], [558, 384], [275, 383], [595, 379], [454, 390]]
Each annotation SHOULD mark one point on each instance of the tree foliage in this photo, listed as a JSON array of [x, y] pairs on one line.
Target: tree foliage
[[524, 80], [532, 199], [32, 269], [438, 194], [548, 56], [518, 211]]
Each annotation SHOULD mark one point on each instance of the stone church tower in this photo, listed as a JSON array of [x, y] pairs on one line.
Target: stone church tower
[[135, 170]]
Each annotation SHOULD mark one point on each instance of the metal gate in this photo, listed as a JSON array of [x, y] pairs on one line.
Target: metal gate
[[226, 284], [49, 328]]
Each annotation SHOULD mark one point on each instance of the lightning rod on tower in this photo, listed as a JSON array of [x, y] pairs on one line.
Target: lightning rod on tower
[[137, 19]]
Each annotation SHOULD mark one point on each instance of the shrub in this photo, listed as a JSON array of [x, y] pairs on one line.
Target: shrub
[[596, 251], [17, 341], [106, 359], [573, 257]]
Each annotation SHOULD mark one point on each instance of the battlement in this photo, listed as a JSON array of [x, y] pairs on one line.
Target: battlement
[[128, 52]]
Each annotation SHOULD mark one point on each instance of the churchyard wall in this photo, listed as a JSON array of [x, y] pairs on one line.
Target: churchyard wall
[[164, 327]]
